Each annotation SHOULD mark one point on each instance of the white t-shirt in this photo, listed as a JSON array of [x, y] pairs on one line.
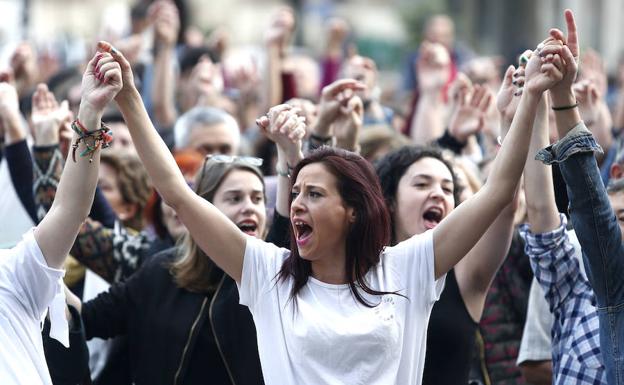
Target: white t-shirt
[[331, 338], [27, 288]]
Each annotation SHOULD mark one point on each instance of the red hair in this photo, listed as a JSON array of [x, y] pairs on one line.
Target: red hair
[[189, 161]]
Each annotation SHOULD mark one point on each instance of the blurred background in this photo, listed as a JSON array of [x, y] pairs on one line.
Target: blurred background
[[385, 30]]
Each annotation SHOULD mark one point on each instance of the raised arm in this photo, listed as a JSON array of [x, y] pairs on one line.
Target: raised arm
[[284, 128], [215, 234], [57, 231], [433, 68], [467, 223], [475, 272], [539, 190], [333, 105], [552, 255], [166, 27], [16, 150]]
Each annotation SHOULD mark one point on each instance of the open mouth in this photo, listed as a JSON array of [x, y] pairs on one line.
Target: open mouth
[[432, 217], [248, 227], [303, 232]]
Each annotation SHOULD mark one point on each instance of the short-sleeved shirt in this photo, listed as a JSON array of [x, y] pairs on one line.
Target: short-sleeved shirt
[[27, 287], [329, 337]]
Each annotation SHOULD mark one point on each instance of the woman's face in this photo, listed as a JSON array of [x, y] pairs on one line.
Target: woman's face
[[241, 198], [424, 197], [319, 217], [108, 181], [170, 219]]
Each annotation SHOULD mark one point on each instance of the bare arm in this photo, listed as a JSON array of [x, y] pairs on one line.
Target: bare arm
[[167, 25], [215, 234], [539, 190], [286, 130], [537, 372], [466, 224], [433, 71], [57, 231], [475, 272]]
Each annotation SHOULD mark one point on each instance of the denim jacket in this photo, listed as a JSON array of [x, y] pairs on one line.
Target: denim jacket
[[599, 235]]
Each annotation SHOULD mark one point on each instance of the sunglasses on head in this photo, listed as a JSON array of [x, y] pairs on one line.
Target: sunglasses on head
[[250, 160]]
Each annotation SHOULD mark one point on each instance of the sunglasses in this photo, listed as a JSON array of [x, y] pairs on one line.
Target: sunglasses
[[250, 160]]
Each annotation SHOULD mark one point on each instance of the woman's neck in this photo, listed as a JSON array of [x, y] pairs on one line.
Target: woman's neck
[[330, 269]]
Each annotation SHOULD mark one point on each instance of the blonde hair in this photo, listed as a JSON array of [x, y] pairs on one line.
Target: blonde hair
[[193, 270]]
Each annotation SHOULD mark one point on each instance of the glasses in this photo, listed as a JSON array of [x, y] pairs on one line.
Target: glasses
[[250, 160]]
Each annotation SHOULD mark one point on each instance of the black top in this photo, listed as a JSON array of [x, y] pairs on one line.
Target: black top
[[171, 332], [450, 338]]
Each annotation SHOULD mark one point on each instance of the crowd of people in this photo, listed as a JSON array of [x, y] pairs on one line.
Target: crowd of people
[[199, 216]]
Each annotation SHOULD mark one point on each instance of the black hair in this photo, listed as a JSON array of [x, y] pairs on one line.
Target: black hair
[[392, 166]]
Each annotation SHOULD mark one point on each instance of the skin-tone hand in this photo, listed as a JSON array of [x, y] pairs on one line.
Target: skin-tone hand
[[101, 82], [348, 125], [24, 65], [509, 93], [164, 14], [279, 32], [433, 67], [546, 71], [593, 69], [337, 31], [48, 118], [561, 93], [10, 118], [128, 87], [588, 98], [469, 116], [207, 81], [286, 129], [333, 97], [218, 41]]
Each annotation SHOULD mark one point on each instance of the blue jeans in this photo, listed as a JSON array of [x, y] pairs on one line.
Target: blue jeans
[[599, 235]]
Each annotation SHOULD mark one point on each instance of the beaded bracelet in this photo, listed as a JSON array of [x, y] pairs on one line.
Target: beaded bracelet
[[101, 137]]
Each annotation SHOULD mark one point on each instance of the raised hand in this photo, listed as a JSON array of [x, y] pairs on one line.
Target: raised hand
[[10, 118], [562, 92], [333, 97], [348, 125], [286, 129], [164, 14], [546, 69], [127, 78], [469, 115], [24, 65], [101, 81], [48, 118], [593, 69], [433, 67], [509, 93], [589, 99], [281, 28]]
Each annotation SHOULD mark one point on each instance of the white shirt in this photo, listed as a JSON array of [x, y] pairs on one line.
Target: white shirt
[[330, 338], [27, 288]]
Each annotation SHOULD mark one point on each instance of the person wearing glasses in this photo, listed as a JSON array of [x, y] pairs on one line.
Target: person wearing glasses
[[340, 306], [179, 311]]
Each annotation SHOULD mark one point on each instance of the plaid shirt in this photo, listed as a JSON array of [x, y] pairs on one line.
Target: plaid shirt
[[575, 332]]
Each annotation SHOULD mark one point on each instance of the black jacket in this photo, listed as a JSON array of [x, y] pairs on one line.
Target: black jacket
[[150, 302]]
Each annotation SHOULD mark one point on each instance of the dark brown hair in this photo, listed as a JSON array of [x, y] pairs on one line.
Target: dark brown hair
[[359, 188]]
